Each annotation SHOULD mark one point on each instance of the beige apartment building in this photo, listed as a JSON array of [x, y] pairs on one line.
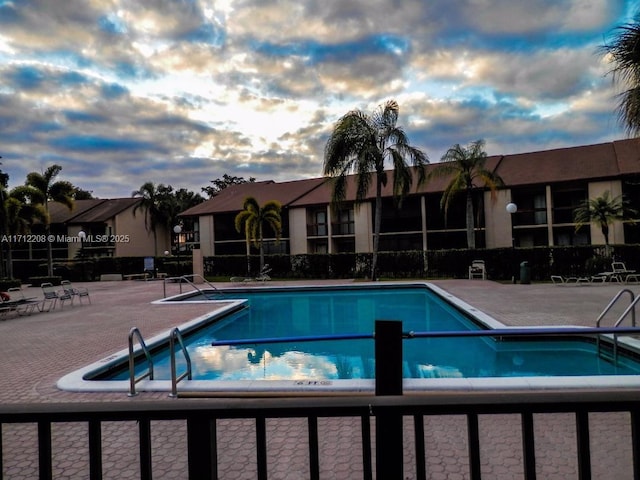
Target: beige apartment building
[[100, 227], [546, 187]]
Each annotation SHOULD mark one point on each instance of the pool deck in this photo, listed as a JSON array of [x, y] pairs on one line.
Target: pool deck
[[39, 349]]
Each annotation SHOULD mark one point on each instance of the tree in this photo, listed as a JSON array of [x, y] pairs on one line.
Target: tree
[[624, 53], [253, 219], [465, 166], [19, 217], [602, 211], [361, 144], [80, 194], [220, 184], [40, 189], [154, 204]]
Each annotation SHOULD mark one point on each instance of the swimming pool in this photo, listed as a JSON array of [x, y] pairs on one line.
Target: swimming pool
[[286, 312]]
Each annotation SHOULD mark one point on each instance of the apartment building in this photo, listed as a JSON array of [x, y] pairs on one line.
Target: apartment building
[[546, 187]]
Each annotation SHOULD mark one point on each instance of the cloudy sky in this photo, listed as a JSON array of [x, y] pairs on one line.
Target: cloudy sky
[[121, 92]]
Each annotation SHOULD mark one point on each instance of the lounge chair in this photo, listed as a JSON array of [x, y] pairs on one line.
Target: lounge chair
[[23, 305], [477, 270], [80, 292], [52, 296], [263, 276]]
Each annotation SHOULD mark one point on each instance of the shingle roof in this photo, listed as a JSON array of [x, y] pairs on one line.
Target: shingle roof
[[232, 198], [59, 213], [105, 210], [600, 161], [89, 211]]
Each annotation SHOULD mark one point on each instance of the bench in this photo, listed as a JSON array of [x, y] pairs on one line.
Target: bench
[[136, 276], [110, 277]]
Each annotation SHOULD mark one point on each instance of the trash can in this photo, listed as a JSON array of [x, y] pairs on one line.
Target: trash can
[[525, 273]]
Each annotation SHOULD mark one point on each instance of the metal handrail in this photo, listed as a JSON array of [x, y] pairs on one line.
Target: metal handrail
[[135, 332], [185, 278], [174, 336], [613, 302], [630, 309]]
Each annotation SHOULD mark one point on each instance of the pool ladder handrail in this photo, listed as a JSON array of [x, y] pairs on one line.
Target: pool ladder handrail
[[135, 332], [629, 310], [176, 336], [185, 278]]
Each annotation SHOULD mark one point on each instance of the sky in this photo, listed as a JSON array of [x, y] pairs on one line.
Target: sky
[[181, 92]]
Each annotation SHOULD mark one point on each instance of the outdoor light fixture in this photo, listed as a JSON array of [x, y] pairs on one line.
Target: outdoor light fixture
[[177, 230], [512, 207]]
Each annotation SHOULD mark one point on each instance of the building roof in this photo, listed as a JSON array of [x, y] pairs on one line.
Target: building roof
[[231, 198], [581, 163], [89, 211], [59, 213], [105, 210]]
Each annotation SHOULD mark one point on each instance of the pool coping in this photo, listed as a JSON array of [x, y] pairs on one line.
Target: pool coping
[[76, 382]]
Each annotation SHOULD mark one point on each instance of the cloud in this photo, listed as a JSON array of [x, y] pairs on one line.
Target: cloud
[[182, 91]]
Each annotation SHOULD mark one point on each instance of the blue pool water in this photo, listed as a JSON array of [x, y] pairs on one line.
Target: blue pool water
[[305, 312]]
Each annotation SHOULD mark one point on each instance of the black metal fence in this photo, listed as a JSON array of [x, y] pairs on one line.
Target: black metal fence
[[201, 418]]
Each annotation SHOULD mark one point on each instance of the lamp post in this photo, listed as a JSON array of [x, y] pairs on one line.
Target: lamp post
[[177, 230], [511, 209], [82, 235]]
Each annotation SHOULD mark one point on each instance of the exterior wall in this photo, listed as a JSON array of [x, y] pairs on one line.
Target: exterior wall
[[207, 236], [298, 231], [363, 227], [616, 230], [498, 233], [141, 241]]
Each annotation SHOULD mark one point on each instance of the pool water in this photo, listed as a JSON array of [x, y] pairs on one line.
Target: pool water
[[287, 313]]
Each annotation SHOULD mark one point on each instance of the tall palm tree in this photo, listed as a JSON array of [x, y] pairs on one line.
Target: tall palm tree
[[155, 212], [19, 217], [253, 219], [624, 53], [362, 144], [466, 167], [602, 211], [40, 189]]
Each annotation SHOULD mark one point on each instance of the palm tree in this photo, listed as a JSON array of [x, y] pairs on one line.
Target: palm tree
[[624, 54], [40, 189], [602, 211], [155, 211], [253, 218], [19, 217], [361, 144], [465, 166]]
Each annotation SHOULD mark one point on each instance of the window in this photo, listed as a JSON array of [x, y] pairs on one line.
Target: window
[[317, 224], [345, 224]]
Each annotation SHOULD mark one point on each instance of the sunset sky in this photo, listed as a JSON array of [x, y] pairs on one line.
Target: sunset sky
[[181, 92]]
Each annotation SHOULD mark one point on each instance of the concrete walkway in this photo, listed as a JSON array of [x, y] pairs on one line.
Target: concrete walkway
[[37, 350]]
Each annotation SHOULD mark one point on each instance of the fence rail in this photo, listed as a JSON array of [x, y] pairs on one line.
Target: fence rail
[[201, 416]]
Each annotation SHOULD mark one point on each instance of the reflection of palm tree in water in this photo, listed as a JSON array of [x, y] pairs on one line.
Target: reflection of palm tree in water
[[255, 355]]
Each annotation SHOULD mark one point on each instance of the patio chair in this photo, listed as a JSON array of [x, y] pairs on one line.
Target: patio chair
[[263, 276], [23, 305], [80, 292], [52, 296], [477, 270]]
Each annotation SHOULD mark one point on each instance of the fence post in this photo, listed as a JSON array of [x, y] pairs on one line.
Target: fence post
[[202, 448], [388, 355]]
